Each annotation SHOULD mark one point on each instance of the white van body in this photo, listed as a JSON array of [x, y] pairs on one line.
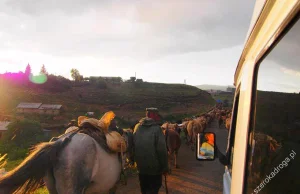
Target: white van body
[[270, 18]]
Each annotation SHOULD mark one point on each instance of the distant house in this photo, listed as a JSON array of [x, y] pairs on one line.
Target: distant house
[[3, 127], [39, 108], [132, 79], [94, 79], [225, 92], [113, 79], [230, 89], [25, 107], [214, 91], [50, 109]]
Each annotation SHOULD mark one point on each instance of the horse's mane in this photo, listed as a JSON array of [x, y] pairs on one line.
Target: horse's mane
[[96, 134]]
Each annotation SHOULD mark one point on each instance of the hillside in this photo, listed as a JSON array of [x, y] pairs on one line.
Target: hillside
[[212, 87], [127, 100], [284, 108]]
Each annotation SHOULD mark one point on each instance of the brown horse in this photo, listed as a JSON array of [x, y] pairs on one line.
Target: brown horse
[[173, 141], [193, 128]]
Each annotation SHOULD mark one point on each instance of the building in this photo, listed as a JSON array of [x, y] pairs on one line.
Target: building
[[214, 91], [230, 89], [25, 107], [39, 108], [3, 127], [106, 79], [50, 109]]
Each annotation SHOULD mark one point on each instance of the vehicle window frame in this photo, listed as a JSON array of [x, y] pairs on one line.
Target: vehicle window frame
[[231, 134], [251, 128]]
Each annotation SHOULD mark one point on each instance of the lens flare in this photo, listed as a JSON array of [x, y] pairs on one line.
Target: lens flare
[[38, 79]]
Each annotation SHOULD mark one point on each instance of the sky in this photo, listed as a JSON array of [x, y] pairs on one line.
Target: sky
[[168, 41]]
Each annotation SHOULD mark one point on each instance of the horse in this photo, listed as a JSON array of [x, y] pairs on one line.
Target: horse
[[77, 162], [173, 142], [193, 128], [174, 127]]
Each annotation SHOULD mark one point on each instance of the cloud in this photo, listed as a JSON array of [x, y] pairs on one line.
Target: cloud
[[290, 72], [141, 29], [286, 52]]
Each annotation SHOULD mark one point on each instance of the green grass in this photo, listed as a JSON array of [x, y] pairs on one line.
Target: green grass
[[275, 112], [127, 99], [42, 190], [11, 164], [223, 97]]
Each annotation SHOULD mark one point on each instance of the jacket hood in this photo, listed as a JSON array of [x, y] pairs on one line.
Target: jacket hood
[[147, 121]]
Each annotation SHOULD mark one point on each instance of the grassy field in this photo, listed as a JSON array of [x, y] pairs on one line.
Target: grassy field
[[224, 96], [276, 113], [127, 100]]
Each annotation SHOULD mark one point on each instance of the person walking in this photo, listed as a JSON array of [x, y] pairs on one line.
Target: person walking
[[151, 155]]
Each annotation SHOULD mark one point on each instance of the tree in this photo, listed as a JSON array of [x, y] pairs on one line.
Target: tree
[[28, 70], [75, 74], [43, 70]]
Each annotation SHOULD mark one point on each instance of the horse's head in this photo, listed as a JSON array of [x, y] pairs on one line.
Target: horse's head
[[128, 154]]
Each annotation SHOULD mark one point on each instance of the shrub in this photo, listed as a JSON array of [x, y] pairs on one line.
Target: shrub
[[20, 136]]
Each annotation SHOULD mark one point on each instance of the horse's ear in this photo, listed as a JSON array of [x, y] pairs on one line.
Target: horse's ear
[[106, 120], [81, 118]]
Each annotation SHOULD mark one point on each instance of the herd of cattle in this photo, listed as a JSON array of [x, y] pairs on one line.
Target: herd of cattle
[[191, 127]]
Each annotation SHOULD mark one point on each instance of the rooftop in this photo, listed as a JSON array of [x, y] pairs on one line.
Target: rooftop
[[51, 106], [3, 125], [29, 105]]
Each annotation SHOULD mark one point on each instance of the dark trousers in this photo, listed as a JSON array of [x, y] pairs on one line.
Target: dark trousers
[[150, 184]]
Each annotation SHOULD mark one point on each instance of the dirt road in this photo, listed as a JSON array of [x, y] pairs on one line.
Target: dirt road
[[193, 176]]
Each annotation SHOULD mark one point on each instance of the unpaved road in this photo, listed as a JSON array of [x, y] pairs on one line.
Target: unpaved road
[[193, 176]]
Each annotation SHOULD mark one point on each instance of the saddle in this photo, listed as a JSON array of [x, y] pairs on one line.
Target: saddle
[[115, 142]]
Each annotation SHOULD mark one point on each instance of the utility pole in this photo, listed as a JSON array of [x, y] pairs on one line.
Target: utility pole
[[185, 81]]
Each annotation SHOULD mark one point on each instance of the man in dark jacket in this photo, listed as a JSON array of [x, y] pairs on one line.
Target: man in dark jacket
[[150, 155]]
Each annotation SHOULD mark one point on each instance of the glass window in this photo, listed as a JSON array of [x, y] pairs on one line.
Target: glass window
[[230, 151], [273, 164]]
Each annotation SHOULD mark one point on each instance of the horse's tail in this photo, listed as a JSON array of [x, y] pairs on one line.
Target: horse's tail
[[28, 176]]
